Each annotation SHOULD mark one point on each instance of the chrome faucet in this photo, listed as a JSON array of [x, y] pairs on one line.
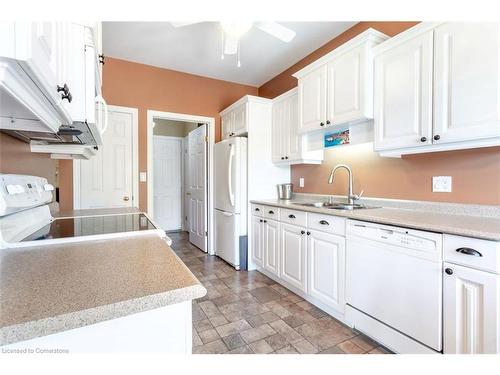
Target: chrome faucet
[[350, 196]]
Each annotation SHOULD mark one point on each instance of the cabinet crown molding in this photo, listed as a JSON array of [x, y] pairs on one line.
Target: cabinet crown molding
[[244, 100], [370, 35]]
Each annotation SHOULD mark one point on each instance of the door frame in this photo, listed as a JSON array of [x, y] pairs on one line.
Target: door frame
[[210, 121], [135, 160], [183, 186]]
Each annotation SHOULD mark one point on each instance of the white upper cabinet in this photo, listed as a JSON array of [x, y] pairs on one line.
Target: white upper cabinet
[[466, 81], [403, 94], [437, 88], [288, 145], [240, 120], [234, 120], [337, 89], [312, 100], [227, 125]]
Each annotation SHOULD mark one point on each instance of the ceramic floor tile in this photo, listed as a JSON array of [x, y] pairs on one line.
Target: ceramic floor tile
[[243, 305]]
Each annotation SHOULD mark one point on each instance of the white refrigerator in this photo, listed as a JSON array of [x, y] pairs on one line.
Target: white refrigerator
[[230, 171]]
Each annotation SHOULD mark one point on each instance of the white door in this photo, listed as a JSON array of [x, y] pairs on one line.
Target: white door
[[240, 120], [167, 184], [106, 179], [312, 100], [227, 125], [326, 269], [197, 188], [257, 240], [293, 255], [271, 246], [403, 95], [345, 84], [466, 81], [471, 310]]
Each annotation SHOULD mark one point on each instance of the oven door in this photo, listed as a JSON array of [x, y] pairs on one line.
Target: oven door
[[400, 287]]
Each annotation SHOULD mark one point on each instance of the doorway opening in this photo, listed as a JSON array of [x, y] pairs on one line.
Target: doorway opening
[[179, 174]]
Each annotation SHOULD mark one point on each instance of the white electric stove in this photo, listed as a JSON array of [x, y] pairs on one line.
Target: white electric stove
[[25, 218]]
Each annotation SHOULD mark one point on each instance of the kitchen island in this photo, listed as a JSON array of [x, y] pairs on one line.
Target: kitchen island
[[115, 295]]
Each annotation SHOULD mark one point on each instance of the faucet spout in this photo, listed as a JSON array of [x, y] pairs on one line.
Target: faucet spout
[[350, 196]]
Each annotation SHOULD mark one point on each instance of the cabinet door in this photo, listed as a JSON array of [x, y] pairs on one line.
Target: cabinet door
[[326, 269], [240, 120], [271, 246], [346, 80], [293, 255], [227, 125], [257, 240], [312, 100], [43, 54], [278, 132], [466, 81], [471, 300], [292, 137], [403, 95]]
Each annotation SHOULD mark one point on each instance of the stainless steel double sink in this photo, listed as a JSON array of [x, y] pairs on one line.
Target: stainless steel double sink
[[334, 205]]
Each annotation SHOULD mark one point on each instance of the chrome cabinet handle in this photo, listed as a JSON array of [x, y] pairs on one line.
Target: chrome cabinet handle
[[423, 139], [302, 232], [469, 251], [308, 233], [448, 271], [324, 222], [291, 216]]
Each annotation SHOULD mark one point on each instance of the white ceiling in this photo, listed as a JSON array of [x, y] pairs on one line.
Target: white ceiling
[[196, 48]]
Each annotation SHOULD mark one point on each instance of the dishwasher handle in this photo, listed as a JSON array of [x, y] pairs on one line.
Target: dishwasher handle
[[469, 251]]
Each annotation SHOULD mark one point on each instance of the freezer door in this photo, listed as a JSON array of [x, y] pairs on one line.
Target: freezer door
[[228, 175], [227, 239]]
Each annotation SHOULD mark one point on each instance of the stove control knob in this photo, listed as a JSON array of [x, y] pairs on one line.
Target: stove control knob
[[11, 189], [20, 189]]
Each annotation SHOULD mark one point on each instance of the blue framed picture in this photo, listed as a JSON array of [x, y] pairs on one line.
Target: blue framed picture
[[337, 138]]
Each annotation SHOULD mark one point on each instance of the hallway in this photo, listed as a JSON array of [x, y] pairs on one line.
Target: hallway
[[247, 312]]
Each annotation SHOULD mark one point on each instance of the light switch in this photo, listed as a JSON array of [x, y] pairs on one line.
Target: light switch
[[142, 177], [301, 182], [441, 184]]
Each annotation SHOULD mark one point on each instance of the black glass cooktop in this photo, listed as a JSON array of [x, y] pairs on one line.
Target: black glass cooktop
[[92, 225]]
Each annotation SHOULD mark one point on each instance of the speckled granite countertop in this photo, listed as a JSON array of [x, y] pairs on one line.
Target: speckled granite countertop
[[48, 289], [470, 226]]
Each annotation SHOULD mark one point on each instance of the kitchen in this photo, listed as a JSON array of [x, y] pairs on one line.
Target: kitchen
[[342, 197]]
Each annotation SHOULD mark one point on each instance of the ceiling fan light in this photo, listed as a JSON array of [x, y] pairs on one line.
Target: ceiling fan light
[[236, 29]]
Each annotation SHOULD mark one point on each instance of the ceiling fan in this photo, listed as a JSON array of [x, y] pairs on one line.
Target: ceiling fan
[[233, 31]]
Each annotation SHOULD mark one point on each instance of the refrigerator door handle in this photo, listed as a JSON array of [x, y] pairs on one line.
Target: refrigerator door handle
[[227, 214], [230, 175]]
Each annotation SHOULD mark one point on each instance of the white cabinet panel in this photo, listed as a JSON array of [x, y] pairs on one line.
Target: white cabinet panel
[[257, 240], [312, 100], [271, 246], [279, 132], [240, 120], [227, 125], [326, 269], [293, 255], [471, 311], [403, 94], [346, 80], [466, 81]]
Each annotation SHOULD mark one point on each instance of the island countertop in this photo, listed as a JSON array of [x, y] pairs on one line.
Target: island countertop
[[49, 289]]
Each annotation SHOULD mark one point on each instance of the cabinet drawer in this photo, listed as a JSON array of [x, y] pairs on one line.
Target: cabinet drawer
[[472, 252], [326, 223], [257, 209], [271, 212], [293, 217]]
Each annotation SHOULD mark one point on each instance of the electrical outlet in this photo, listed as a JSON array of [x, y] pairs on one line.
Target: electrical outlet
[[441, 184], [301, 182], [142, 177]]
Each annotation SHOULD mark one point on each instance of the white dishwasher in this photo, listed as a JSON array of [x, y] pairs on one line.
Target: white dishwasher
[[394, 286]]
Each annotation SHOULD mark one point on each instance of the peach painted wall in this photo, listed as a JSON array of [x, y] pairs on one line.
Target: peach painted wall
[[475, 173], [146, 87]]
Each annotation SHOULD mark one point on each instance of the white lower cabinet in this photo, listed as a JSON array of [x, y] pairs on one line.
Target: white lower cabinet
[[257, 240], [326, 269], [293, 255], [271, 246], [471, 311]]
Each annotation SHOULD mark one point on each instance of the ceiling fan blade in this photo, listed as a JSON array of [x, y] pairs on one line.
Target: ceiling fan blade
[[230, 44], [278, 31], [181, 24]]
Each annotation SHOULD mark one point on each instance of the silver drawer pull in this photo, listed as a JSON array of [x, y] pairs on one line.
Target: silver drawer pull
[[324, 222], [291, 216], [469, 251]]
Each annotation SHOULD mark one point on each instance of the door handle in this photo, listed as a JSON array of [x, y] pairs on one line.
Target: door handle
[[324, 222], [126, 198]]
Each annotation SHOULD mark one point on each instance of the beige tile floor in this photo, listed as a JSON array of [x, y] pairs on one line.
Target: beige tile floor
[[247, 312]]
